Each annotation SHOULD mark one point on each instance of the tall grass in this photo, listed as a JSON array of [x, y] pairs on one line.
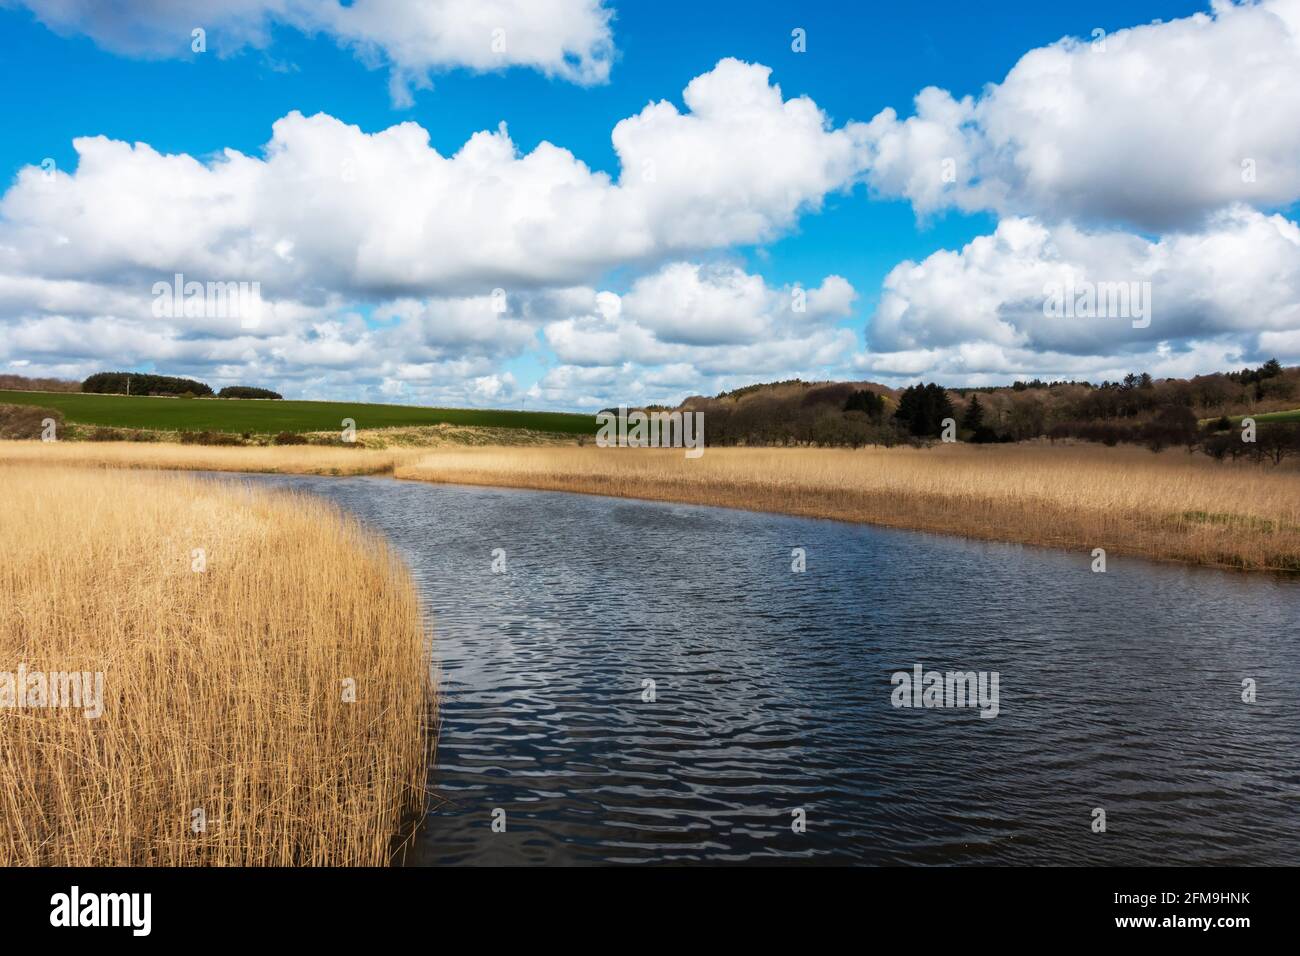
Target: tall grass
[[287, 459], [1127, 500], [224, 687]]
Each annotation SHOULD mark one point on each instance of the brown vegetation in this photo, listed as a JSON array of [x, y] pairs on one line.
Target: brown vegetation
[[296, 459], [21, 383], [226, 735], [1170, 505], [1127, 500], [26, 421]]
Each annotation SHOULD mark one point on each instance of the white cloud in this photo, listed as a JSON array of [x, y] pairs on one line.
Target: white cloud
[[690, 304], [742, 163], [1152, 131], [569, 39], [980, 310], [381, 261], [435, 328], [694, 328], [378, 255], [331, 209], [1080, 144], [451, 349], [708, 316], [494, 387], [976, 364], [1285, 345]]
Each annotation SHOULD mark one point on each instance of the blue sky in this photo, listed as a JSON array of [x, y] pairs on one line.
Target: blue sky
[[76, 79]]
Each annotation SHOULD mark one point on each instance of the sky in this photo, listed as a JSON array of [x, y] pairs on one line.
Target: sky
[[574, 204]]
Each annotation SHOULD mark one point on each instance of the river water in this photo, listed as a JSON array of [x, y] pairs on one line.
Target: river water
[[649, 682]]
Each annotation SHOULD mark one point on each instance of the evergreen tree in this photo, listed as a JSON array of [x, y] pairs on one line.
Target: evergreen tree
[[974, 416], [866, 401], [922, 408]]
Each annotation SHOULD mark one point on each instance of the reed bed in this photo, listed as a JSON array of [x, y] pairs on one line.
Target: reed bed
[[274, 459], [1171, 505], [228, 624]]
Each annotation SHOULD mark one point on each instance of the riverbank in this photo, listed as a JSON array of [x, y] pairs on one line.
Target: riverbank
[[256, 676], [1126, 500], [771, 685], [273, 459]]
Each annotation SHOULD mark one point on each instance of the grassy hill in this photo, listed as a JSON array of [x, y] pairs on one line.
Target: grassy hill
[[243, 415], [1289, 416]]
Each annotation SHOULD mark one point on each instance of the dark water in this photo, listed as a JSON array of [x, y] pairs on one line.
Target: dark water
[[1120, 691]]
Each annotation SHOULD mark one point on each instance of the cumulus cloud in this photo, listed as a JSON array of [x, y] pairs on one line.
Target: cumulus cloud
[[1154, 126], [343, 357], [975, 364], [742, 163], [688, 304], [569, 39], [980, 310], [609, 347], [696, 328], [1152, 155], [330, 208], [390, 269], [712, 317]]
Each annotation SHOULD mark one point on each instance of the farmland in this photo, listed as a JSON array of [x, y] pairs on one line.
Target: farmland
[[266, 417]]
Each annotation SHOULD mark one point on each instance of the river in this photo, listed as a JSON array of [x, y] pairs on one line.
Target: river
[[653, 683]]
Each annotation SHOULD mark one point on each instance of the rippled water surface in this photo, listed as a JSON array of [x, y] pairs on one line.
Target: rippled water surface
[[1119, 691]]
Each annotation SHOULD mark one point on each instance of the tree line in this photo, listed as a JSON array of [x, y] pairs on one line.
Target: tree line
[[139, 383], [1136, 409]]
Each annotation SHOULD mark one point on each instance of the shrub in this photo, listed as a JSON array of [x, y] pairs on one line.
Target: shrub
[[334, 441], [27, 421], [209, 438], [1219, 446], [246, 391], [290, 438]]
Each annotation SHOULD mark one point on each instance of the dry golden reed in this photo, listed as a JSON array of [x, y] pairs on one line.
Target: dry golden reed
[[223, 687], [273, 459], [1127, 500]]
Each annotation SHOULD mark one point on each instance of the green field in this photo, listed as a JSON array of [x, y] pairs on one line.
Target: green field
[[244, 415], [1291, 415]]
